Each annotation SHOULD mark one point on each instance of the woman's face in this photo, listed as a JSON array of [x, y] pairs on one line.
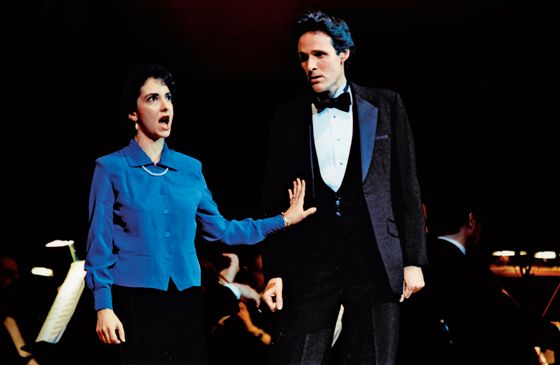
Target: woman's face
[[154, 110]]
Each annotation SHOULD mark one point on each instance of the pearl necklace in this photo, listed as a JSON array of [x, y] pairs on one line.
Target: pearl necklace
[[155, 173]]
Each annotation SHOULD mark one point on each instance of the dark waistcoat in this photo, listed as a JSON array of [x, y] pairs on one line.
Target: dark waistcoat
[[343, 246]]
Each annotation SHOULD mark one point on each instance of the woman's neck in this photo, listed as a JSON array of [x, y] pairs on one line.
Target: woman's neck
[[152, 148]]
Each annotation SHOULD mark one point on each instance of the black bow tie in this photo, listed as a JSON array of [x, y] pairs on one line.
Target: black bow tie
[[341, 102]]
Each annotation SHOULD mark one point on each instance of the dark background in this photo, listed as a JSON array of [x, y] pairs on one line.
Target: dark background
[[479, 79]]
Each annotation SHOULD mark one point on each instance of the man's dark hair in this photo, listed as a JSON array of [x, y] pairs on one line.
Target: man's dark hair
[[136, 80], [318, 21], [452, 212]]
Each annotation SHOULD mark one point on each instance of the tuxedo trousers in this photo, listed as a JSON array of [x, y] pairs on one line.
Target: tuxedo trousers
[[305, 330], [337, 266]]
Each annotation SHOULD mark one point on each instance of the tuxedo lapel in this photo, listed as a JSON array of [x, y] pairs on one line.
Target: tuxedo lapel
[[367, 119]]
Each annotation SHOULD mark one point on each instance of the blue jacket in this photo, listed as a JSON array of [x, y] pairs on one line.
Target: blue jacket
[[143, 226]]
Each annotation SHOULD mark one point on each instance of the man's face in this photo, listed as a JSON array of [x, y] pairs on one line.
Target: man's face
[[323, 67]]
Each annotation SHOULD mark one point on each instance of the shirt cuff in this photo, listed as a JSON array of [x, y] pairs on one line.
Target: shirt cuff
[[272, 224], [103, 298], [234, 289]]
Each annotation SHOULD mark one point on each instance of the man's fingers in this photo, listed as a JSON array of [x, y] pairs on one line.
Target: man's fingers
[[407, 292], [273, 300], [279, 301], [273, 294], [268, 300]]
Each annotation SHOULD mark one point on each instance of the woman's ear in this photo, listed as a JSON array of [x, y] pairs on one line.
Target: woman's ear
[[133, 116]]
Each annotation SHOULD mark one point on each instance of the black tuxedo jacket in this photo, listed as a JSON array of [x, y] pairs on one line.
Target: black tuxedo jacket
[[485, 325], [389, 182]]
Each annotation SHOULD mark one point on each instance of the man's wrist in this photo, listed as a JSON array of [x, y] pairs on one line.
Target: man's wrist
[[234, 289]]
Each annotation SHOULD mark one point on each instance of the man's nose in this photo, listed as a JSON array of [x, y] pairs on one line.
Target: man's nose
[[311, 64]]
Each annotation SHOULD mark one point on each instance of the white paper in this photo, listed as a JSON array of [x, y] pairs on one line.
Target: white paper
[[64, 304]]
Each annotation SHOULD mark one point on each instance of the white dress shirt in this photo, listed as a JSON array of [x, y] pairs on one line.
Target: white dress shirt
[[332, 134]]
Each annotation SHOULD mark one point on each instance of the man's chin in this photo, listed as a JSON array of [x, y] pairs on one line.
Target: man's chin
[[318, 88]]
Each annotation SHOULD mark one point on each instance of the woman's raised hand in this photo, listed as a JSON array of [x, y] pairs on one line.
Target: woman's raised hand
[[296, 213]]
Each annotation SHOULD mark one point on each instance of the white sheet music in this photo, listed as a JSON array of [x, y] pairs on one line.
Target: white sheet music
[[64, 304]]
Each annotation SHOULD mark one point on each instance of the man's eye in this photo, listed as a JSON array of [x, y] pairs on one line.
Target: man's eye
[[303, 57], [168, 96]]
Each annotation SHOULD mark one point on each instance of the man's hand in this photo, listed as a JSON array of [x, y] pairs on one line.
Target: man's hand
[[109, 328], [272, 295], [231, 271], [248, 293], [413, 281]]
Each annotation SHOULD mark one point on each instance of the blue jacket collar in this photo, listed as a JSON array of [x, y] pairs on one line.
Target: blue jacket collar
[[136, 156]]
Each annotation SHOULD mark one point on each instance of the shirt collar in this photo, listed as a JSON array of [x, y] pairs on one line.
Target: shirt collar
[[456, 243], [340, 90], [136, 156]]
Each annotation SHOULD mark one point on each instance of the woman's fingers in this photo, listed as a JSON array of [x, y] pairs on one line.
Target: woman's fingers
[[298, 192]]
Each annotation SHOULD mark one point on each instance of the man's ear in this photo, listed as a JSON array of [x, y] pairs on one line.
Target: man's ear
[[472, 220], [344, 55]]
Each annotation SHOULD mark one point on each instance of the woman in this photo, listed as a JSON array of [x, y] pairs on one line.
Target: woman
[[146, 201]]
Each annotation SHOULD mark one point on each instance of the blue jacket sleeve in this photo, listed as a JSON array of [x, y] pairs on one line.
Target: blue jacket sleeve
[[99, 255], [216, 228]]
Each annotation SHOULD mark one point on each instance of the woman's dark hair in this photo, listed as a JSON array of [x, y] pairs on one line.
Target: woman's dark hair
[[314, 21], [136, 80]]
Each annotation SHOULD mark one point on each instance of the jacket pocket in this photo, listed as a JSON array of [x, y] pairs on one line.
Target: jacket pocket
[[392, 228]]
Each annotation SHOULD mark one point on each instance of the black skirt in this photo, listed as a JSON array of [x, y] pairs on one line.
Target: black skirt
[[161, 327]]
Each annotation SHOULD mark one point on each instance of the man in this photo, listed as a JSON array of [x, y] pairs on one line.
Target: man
[[363, 248], [469, 318]]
